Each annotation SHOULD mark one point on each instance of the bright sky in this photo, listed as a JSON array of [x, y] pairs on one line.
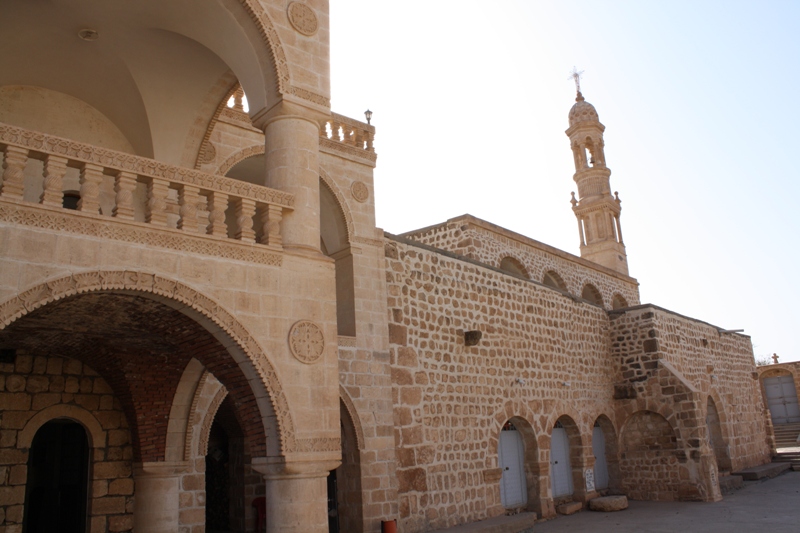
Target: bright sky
[[470, 102]]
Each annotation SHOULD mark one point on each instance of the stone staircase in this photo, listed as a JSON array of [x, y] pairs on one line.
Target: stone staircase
[[788, 447], [786, 435]]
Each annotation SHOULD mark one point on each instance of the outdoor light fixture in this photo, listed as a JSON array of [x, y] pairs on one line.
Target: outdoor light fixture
[[368, 114]]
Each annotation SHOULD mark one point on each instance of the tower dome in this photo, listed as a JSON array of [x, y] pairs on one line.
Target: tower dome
[[582, 111]]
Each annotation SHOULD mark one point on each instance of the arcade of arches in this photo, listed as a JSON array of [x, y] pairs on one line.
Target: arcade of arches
[[203, 329]]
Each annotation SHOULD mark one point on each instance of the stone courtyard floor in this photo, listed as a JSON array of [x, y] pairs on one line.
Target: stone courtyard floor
[[771, 506]]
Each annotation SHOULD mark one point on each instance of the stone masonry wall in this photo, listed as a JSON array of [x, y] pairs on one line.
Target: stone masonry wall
[[489, 244], [542, 354], [32, 384]]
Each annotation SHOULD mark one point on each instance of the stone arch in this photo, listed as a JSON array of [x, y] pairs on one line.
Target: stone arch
[[217, 99], [511, 264], [339, 197], [650, 457], [576, 445], [220, 323], [179, 428], [347, 403], [271, 38], [591, 294], [612, 450], [553, 279], [95, 432], [618, 301], [209, 396], [531, 463], [238, 157], [717, 440]]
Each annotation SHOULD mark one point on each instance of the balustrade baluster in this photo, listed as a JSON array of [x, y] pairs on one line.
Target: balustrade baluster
[[217, 204], [13, 185], [124, 186], [91, 178], [335, 126], [238, 99], [271, 219], [188, 196], [157, 191], [369, 142], [55, 168], [245, 210]]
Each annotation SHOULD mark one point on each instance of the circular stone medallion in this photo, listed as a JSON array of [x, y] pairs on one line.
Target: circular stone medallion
[[306, 342], [303, 18], [359, 191]]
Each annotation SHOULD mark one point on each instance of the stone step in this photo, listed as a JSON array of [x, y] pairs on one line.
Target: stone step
[[729, 484], [569, 508], [764, 471], [518, 523], [607, 504]]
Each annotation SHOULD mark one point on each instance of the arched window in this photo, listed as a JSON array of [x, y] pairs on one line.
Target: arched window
[[509, 264], [552, 279], [618, 302], [591, 294]]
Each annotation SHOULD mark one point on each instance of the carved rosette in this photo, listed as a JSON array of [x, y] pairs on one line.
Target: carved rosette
[[303, 18], [306, 342], [359, 191]]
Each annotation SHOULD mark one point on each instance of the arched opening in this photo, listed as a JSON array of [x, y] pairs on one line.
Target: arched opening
[[649, 458], [335, 243], [511, 454], [225, 473], [604, 449], [513, 266], [618, 302], [565, 461], [57, 484], [345, 504], [591, 294], [553, 279], [716, 440], [781, 395]]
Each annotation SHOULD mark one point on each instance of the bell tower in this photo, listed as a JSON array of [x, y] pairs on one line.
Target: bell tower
[[597, 211]]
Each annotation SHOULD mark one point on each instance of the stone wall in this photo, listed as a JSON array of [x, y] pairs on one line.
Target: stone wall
[[489, 244], [35, 390]]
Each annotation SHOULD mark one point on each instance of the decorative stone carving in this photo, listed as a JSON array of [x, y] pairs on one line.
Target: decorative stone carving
[[306, 342], [359, 191], [208, 153], [303, 18]]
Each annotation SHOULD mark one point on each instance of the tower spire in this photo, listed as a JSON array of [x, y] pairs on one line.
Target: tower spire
[[596, 209]]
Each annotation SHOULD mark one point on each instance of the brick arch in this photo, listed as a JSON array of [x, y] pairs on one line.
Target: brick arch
[[210, 315], [95, 432], [347, 402]]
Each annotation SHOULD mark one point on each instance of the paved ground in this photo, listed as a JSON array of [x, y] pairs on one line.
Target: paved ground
[[771, 506]]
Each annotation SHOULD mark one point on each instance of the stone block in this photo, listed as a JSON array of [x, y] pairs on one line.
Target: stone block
[[123, 487], [120, 523], [569, 508], [108, 505], [607, 504]]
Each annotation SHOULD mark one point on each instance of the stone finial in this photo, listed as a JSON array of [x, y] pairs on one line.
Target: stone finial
[[775, 358], [573, 201]]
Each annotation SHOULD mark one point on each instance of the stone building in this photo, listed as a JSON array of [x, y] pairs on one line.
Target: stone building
[[199, 314]]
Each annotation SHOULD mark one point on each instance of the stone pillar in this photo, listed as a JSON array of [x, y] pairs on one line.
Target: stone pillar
[[157, 490], [297, 494], [292, 159]]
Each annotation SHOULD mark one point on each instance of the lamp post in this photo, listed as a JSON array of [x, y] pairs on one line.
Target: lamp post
[[368, 114]]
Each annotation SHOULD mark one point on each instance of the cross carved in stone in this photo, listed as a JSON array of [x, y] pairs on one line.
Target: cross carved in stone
[[775, 358]]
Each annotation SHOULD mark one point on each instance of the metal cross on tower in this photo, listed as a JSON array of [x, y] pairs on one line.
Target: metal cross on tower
[[575, 75]]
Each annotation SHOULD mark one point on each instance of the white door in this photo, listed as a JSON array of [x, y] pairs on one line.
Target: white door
[[782, 399], [600, 465], [559, 462], [513, 490]]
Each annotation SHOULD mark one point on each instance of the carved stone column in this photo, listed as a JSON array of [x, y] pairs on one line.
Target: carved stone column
[[157, 487], [292, 160], [297, 494]]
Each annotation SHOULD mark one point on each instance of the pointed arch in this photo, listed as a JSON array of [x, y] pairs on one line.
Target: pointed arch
[[340, 200], [220, 323], [347, 402]]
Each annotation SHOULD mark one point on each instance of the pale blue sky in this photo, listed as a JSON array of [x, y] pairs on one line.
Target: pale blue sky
[[470, 102]]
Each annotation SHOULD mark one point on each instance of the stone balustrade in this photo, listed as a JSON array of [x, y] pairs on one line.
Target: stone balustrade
[[348, 131], [64, 174]]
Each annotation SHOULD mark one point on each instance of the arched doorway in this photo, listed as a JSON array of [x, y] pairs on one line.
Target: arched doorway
[[225, 465], [600, 462], [511, 451], [782, 399], [604, 449], [58, 472], [345, 504], [715, 438], [560, 464], [649, 459]]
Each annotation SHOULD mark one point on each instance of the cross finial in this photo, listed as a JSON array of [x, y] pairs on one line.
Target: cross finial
[[576, 76], [775, 358]]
